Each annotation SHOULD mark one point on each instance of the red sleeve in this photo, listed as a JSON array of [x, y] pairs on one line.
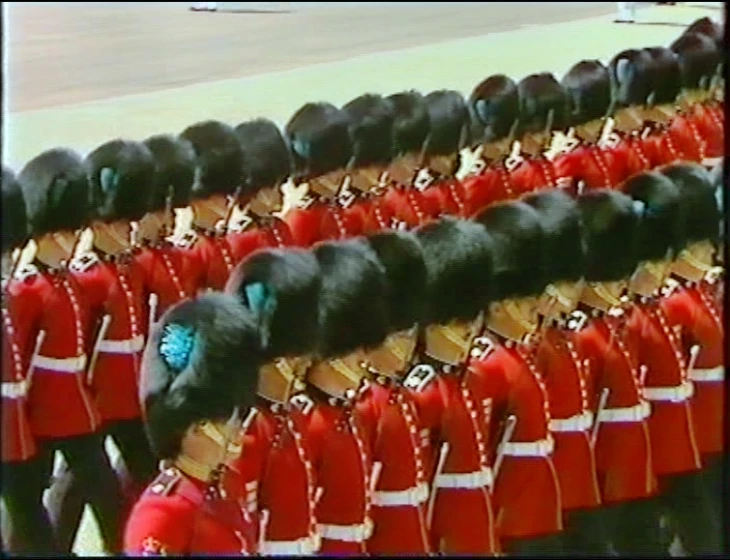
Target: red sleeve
[[159, 526], [305, 224]]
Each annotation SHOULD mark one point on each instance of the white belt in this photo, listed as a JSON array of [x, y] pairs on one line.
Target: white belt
[[711, 374], [413, 496], [306, 546], [635, 413], [539, 448], [576, 423], [476, 479], [15, 389], [128, 346], [347, 533], [677, 394], [61, 365]]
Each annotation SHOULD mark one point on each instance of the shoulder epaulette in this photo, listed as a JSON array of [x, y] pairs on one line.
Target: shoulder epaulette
[[303, 403], [576, 321], [670, 286], [84, 262], [26, 272], [184, 240], [241, 225], [481, 348], [165, 482], [419, 377]]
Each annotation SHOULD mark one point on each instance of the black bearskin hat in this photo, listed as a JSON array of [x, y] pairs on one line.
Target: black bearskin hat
[[449, 118], [630, 78], [174, 170], [15, 219], [661, 223], [540, 96], [705, 26], [458, 257], [494, 106], [219, 158], [698, 58], [56, 191], [411, 125], [519, 249], [588, 87], [122, 180], [201, 363], [700, 209], [320, 139], [610, 225], [267, 159], [352, 301], [719, 183], [405, 273], [288, 281], [563, 235], [665, 75], [371, 129]]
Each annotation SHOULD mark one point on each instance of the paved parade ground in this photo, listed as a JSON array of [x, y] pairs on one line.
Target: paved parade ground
[[81, 74]]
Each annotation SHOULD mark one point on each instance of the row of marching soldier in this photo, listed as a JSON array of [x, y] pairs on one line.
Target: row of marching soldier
[[471, 387]]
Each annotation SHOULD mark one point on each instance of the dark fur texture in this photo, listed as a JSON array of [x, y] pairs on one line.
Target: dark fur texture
[[15, 219], [352, 302], [133, 167], [174, 170], [563, 235], [371, 129], [719, 181], [494, 106], [661, 224], [458, 257], [320, 139], [588, 86], [449, 118], [268, 161], [219, 158], [405, 272], [611, 227], [697, 197], [713, 30], [520, 249], [222, 374], [411, 125], [56, 191], [630, 77], [698, 59], [665, 75], [539, 95], [293, 277]]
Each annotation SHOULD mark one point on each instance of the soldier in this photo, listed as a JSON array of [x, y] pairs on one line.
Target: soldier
[[449, 118], [199, 374], [352, 320], [451, 406], [544, 109], [28, 529], [399, 481], [494, 107], [166, 268], [565, 375], [371, 128], [219, 182], [320, 142], [411, 135], [62, 411], [690, 310], [526, 490], [267, 164], [584, 164], [620, 433], [275, 469]]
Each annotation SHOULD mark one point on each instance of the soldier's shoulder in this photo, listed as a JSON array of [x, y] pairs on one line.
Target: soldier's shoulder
[[166, 483], [84, 262], [420, 378], [27, 274]]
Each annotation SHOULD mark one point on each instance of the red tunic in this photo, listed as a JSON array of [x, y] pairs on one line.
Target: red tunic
[[666, 387], [631, 152], [493, 185], [376, 214], [527, 491], [339, 223], [660, 149], [216, 260], [533, 174], [341, 461], [566, 382], [450, 196], [174, 517], [588, 164], [623, 445], [17, 441], [271, 232], [59, 402], [410, 206], [687, 138], [692, 311], [305, 224], [116, 289], [709, 120]]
